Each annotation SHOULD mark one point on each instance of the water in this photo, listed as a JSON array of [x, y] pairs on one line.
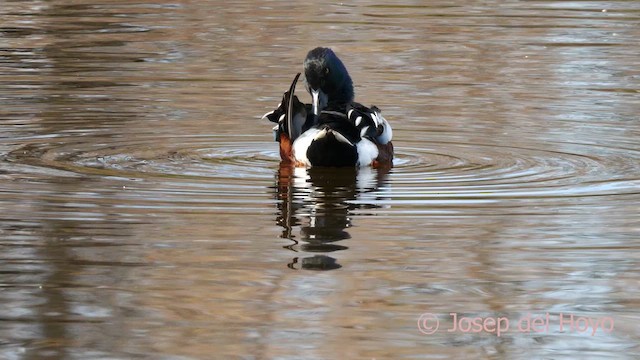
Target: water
[[144, 214]]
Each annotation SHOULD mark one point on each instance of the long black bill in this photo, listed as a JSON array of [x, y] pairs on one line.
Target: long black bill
[[292, 89]]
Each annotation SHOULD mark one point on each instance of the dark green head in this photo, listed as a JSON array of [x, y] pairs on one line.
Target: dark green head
[[327, 79]]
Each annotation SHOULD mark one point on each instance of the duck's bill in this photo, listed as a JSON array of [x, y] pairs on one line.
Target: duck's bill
[[318, 101]]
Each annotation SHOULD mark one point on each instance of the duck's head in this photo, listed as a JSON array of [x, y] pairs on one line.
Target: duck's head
[[327, 79]]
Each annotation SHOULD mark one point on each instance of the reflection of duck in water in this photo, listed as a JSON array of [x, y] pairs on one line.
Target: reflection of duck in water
[[333, 130], [318, 201]]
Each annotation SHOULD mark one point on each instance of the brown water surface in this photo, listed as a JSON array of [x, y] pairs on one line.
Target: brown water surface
[[144, 214]]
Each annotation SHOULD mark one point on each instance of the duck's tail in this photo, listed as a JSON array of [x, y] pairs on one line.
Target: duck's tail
[[331, 148]]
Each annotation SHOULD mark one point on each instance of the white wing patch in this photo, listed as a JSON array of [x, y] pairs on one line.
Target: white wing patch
[[322, 133], [358, 120], [376, 119], [341, 138]]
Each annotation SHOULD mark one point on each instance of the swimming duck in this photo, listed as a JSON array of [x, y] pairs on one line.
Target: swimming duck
[[333, 130]]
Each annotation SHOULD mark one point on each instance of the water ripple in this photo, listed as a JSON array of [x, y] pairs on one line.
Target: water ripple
[[442, 169]]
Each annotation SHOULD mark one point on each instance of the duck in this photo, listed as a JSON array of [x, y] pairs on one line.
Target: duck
[[334, 130]]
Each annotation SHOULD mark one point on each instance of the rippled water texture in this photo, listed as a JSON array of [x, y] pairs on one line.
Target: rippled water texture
[[144, 214]]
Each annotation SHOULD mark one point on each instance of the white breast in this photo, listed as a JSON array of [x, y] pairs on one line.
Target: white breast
[[302, 143], [367, 152]]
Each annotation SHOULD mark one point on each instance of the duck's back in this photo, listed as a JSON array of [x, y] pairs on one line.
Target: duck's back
[[334, 142]]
